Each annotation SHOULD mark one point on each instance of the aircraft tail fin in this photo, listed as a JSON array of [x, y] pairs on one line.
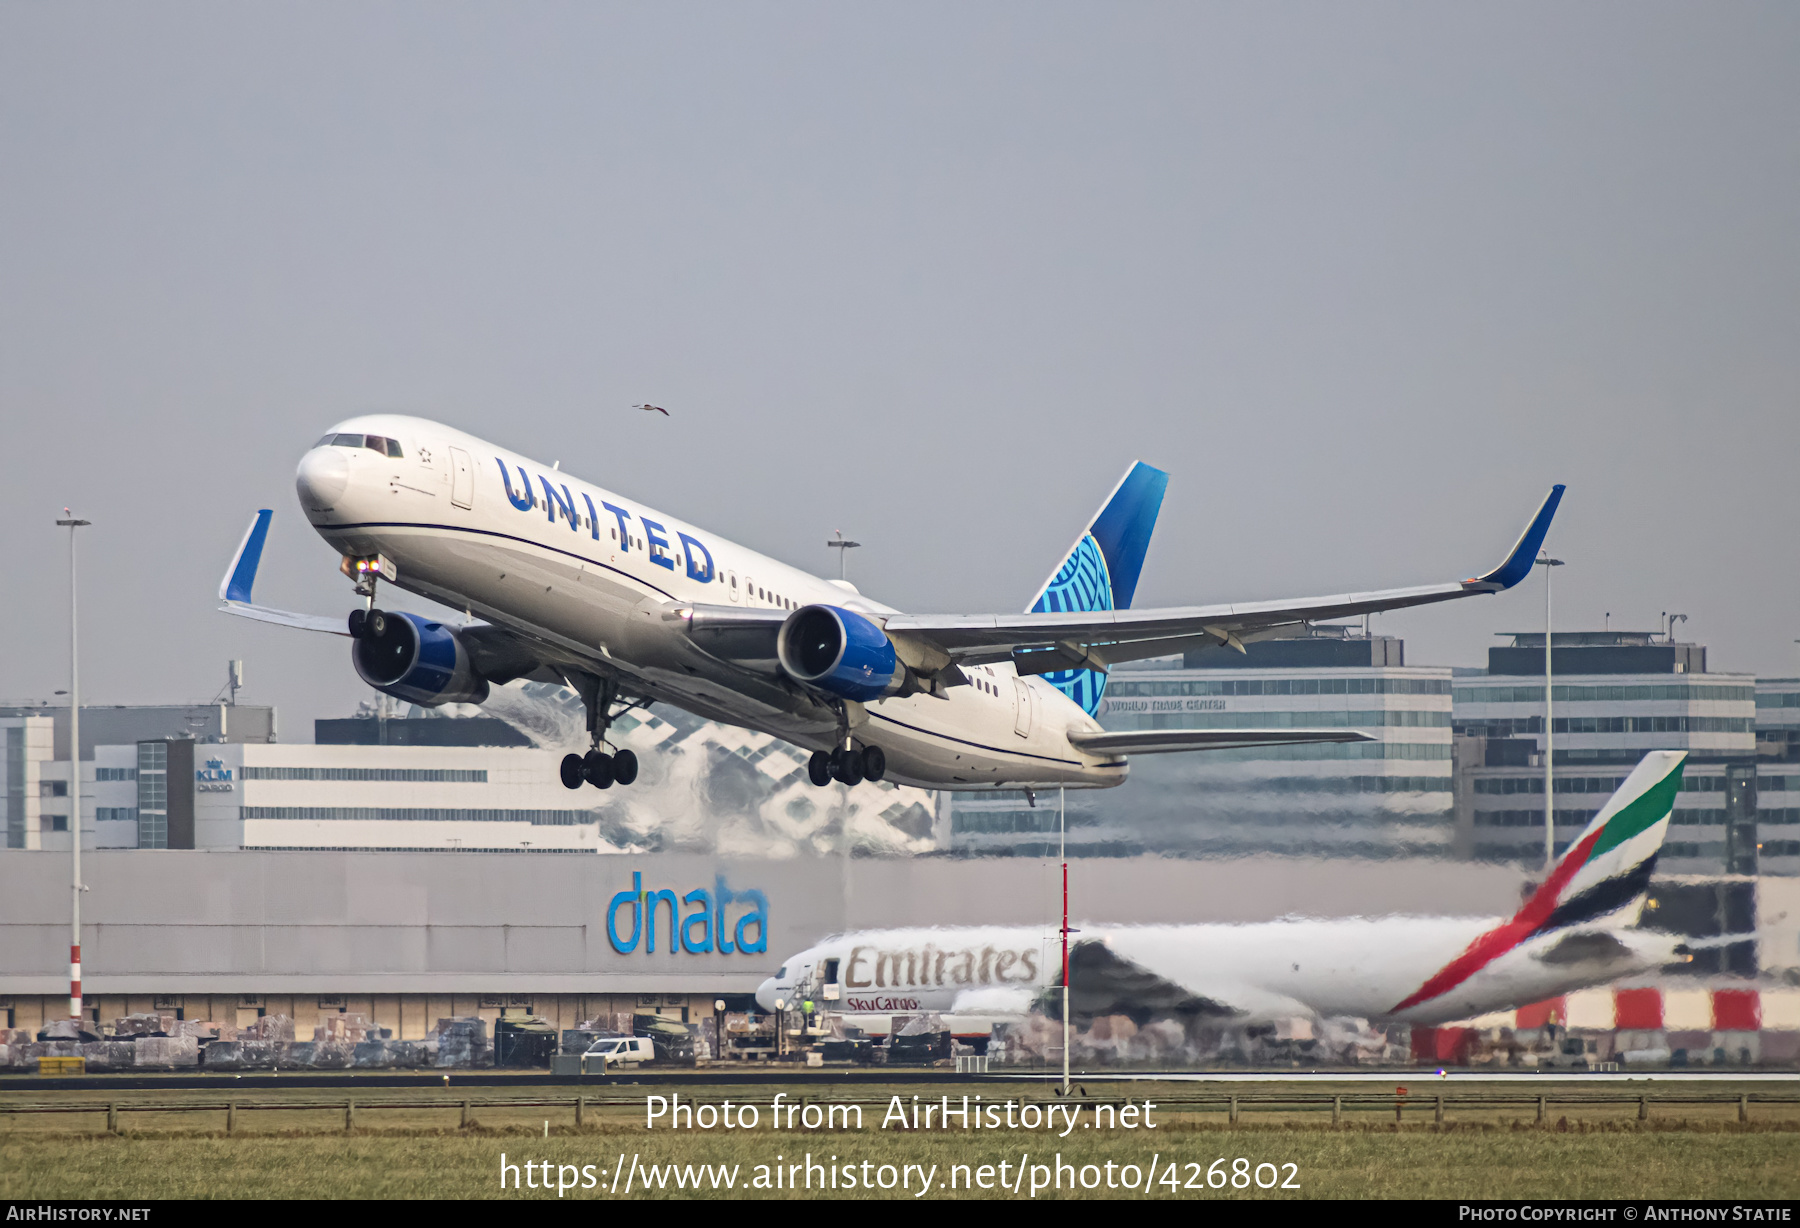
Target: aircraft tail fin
[[1604, 874], [1601, 880], [1100, 571]]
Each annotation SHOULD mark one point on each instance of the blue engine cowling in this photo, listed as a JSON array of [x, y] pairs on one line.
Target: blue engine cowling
[[839, 651], [418, 660]]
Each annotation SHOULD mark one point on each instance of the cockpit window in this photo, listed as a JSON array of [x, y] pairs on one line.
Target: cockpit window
[[375, 443]]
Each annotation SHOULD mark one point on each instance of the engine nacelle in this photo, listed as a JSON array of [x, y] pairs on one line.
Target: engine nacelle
[[840, 651], [417, 660]]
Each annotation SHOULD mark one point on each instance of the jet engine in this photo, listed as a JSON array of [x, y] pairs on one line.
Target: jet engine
[[839, 651], [414, 659]]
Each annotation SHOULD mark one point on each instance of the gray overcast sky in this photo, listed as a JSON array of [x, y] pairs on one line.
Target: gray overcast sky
[[1365, 278]]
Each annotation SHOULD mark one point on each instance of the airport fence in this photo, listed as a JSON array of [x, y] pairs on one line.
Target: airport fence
[[1343, 1108]]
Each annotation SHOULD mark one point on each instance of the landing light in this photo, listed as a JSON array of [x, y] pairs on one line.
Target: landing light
[[362, 568]]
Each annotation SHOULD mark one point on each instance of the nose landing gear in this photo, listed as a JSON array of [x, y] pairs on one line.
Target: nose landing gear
[[597, 767], [369, 624]]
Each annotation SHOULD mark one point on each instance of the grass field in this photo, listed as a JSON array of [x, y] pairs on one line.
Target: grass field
[[302, 1149]]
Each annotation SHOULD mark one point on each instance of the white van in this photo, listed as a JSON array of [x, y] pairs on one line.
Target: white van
[[618, 1051]]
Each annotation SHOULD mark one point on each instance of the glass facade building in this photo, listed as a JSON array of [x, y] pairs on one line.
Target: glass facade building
[[1388, 797], [1617, 695]]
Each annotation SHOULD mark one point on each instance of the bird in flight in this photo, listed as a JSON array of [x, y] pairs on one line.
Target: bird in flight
[[657, 408]]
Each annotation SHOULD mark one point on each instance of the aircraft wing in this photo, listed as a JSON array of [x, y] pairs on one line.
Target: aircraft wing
[[499, 653], [1107, 976], [1168, 741], [1046, 642], [234, 589]]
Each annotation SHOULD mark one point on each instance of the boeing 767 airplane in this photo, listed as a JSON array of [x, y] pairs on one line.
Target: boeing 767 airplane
[[565, 582]]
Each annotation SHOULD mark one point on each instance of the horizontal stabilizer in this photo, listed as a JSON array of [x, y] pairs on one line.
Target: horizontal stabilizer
[[1167, 741], [1720, 940]]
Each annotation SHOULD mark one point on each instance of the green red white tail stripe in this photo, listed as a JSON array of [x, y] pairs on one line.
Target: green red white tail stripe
[[1603, 875]]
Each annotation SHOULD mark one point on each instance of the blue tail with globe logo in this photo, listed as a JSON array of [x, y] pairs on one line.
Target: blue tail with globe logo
[[1102, 568]]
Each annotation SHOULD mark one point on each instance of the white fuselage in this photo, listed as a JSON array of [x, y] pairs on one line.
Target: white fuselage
[[532, 549], [1251, 973]]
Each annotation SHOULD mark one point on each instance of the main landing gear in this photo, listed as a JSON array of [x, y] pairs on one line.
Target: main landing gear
[[598, 768], [850, 766]]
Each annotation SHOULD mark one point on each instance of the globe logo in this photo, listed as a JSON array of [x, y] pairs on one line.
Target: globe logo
[[1081, 584]]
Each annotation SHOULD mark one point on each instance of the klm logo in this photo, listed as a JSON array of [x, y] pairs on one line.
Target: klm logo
[[560, 505], [215, 777]]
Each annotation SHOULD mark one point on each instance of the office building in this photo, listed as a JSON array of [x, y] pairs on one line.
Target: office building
[[1385, 798], [459, 784], [1617, 695], [35, 766]]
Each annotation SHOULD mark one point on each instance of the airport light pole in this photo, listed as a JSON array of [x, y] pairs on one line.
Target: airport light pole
[[843, 546], [1062, 849], [1548, 564], [71, 523]]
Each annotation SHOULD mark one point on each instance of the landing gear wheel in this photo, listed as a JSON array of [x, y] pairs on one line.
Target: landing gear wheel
[[356, 623], [874, 763], [625, 767], [572, 775], [598, 769], [847, 766], [818, 768]]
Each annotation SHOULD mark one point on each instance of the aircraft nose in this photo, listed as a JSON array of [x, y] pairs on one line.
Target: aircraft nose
[[322, 478], [765, 994]]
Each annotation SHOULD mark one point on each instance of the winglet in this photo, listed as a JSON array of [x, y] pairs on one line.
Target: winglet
[[241, 575], [1518, 564]]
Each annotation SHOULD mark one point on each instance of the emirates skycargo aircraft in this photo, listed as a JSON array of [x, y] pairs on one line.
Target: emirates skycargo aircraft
[[565, 582], [1574, 931]]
